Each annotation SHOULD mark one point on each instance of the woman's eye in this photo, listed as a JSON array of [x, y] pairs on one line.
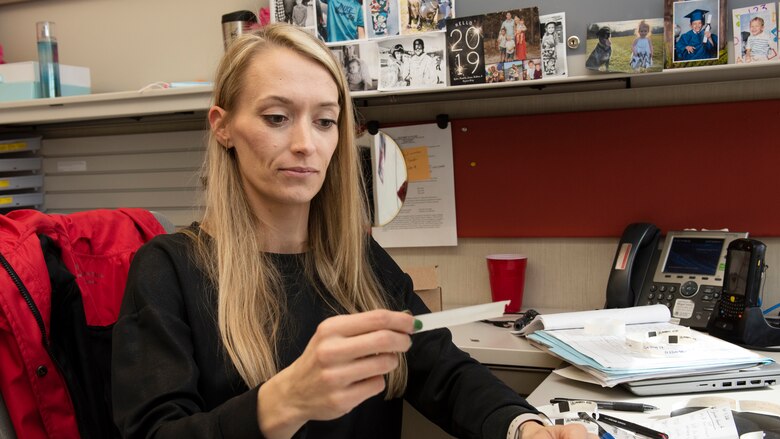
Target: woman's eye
[[275, 119], [326, 123]]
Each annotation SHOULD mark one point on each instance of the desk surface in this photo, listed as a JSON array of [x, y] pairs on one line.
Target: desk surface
[[556, 386], [492, 345]]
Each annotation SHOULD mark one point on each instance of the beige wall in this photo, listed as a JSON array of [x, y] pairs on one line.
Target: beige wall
[[126, 44], [562, 273]]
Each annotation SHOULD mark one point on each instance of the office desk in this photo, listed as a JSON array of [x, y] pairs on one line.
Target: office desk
[[512, 359], [557, 386]]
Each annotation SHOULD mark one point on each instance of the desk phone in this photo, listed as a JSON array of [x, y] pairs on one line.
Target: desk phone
[[689, 273], [685, 273]]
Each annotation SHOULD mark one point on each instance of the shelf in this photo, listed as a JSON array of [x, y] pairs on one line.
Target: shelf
[[589, 92], [105, 106]]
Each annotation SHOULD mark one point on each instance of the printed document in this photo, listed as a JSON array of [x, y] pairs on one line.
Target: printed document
[[427, 217]]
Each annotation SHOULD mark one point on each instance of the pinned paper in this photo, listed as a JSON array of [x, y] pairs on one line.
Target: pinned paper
[[417, 166]]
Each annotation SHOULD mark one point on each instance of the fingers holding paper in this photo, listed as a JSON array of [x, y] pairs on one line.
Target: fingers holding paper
[[343, 364]]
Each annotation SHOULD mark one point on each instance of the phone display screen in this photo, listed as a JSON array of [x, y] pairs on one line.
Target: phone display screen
[[736, 278], [693, 256]]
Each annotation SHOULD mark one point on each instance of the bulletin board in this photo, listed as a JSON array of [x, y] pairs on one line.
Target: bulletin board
[[589, 174]]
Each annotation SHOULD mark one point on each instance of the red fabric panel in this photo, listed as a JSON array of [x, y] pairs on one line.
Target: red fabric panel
[[589, 174]]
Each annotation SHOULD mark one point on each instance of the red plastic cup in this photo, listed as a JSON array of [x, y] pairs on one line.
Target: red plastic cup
[[507, 279]]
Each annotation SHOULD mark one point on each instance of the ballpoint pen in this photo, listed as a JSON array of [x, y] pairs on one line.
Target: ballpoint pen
[[612, 405], [603, 434], [630, 426]]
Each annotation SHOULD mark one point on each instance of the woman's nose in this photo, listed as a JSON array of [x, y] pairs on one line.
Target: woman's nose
[[302, 141]]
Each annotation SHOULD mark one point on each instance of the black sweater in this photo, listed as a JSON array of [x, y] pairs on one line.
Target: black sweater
[[171, 377]]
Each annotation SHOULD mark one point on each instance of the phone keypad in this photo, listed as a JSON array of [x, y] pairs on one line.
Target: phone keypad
[[704, 298], [732, 306]]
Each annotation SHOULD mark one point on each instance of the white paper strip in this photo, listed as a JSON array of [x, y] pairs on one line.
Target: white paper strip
[[453, 317]]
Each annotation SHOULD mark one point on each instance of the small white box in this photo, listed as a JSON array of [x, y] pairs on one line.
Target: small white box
[[21, 80]]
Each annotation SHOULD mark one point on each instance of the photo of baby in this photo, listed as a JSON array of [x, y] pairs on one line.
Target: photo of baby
[[755, 34], [360, 63]]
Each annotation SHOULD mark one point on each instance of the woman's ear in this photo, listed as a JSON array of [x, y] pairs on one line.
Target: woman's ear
[[218, 123]]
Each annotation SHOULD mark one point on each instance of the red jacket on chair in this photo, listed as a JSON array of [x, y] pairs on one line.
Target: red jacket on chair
[[95, 247]]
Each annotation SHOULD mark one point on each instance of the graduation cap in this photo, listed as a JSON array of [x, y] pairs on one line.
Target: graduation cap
[[697, 14]]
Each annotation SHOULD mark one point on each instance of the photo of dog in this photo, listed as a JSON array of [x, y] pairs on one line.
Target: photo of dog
[[629, 46], [601, 54]]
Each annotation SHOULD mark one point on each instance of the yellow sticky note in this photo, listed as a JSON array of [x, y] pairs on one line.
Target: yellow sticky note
[[6, 200], [417, 166], [5, 183]]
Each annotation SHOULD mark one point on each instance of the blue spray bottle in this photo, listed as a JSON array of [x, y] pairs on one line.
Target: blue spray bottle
[[48, 60]]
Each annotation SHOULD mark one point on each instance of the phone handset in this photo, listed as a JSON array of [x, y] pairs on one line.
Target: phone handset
[[738, 317], [631, 264], [744, 279]]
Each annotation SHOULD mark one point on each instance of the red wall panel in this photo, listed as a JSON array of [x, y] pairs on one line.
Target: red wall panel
[[588, 174]]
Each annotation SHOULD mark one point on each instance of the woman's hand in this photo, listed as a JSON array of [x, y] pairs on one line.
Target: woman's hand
[[533, 430], [343, 365]]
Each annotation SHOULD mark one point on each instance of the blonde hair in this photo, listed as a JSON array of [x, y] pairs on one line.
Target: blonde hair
[[250, 302], [642, 25]]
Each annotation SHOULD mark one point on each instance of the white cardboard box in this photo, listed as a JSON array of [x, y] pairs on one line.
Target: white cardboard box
[[21, 80]]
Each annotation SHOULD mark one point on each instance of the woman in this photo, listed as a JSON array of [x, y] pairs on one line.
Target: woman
[[278, 316], [520, 44]]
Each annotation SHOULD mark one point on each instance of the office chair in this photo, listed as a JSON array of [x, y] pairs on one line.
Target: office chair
[[6, 429], [67, 243]]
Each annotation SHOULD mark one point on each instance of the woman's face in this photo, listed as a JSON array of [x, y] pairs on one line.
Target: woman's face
[[284, 129]]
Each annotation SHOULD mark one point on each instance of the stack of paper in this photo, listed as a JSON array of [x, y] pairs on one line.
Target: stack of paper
[[611, 360]]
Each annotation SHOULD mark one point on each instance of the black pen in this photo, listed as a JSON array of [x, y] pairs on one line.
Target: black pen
[[612, 405], [630, 426]]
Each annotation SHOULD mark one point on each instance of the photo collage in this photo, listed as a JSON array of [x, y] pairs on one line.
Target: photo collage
[[412, 44], [386, 45]]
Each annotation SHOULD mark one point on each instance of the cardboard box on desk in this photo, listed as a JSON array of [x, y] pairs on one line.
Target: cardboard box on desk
[[21, 80], [426, 285]]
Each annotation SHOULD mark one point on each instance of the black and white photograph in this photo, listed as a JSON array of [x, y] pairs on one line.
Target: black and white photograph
[[413, 62], [360, 63], [300, 13], [553, 30]]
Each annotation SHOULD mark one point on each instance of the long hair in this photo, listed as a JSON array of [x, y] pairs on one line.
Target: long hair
[[250, 300]]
